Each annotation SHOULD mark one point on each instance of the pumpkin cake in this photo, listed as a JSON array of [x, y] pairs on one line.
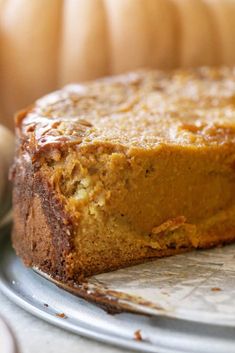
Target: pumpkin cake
[[125, 169]]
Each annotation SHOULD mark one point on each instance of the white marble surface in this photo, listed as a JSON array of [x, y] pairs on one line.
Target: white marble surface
[[36, 336]]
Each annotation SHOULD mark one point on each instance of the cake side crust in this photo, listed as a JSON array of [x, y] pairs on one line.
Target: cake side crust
[[42, 230]]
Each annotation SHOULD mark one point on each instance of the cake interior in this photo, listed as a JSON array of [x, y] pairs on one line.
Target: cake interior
[[134, 204]]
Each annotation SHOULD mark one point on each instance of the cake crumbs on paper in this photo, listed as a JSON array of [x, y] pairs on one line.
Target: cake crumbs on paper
[[216, 289], [137, 335], [61, 315]]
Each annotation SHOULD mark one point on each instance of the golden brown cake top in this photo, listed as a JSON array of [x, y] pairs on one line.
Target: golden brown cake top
[[141, 109]]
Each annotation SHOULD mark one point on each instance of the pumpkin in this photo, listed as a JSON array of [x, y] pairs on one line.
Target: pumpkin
[[46, 44]]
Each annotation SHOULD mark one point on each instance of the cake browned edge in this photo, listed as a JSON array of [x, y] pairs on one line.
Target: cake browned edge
[[39, 212]]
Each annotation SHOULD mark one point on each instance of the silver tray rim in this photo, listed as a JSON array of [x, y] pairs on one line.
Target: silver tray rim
[[7, 290], [87, 329]]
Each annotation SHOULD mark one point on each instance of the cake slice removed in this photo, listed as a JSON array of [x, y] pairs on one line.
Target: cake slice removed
[[125, 169]]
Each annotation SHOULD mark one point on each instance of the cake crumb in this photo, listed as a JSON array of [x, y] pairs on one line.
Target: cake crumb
[[216, 289], [137, 335], [61, 315], [46, 305]]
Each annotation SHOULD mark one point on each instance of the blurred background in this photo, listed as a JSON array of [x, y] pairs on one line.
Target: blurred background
[[45, 44]]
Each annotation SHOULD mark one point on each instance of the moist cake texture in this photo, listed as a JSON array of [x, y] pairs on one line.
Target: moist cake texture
[[124, 169]]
